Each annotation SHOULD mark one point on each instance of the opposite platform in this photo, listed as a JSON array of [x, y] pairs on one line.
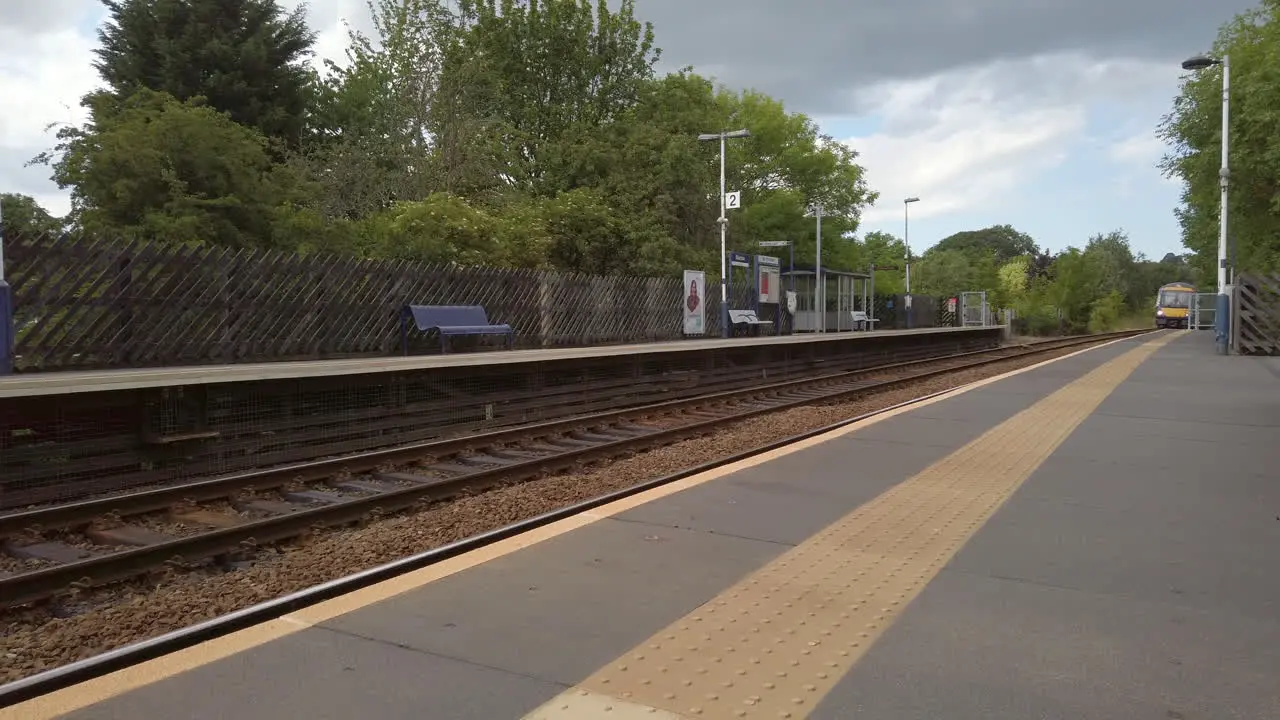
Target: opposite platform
[[1115, 518], [87, 381]]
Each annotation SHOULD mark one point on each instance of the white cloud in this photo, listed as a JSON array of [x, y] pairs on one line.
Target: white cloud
[[1143, 149], [330, 20], [46, 66], [43, 75], [34, 18], [964, 140]]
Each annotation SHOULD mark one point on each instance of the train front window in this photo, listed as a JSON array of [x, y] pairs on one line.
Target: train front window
[[1175, 299]]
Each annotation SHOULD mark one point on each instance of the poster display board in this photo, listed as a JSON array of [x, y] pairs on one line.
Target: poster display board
[[694, 304]]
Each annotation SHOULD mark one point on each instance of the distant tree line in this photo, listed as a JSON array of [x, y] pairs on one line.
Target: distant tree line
[[493, 132]]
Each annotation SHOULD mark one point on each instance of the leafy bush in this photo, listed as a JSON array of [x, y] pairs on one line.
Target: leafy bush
[[1105, 312]]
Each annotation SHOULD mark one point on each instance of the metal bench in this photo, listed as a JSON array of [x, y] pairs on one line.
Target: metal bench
[[747, 321], [861, 321], [448, 321]]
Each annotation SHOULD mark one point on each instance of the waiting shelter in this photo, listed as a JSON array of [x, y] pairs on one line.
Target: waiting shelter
[[841, 296]]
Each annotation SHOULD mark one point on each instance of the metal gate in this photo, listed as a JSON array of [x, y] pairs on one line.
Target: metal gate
[[1203, 311], [973, 309]]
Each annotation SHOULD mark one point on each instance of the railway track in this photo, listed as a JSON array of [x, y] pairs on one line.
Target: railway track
[[78, 546]]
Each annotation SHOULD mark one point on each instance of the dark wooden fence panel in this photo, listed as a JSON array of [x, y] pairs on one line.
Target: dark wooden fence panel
[[1258, 324], [84, 303], [95, 303]]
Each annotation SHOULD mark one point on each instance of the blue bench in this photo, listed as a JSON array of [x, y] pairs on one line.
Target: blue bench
[[450, 320]]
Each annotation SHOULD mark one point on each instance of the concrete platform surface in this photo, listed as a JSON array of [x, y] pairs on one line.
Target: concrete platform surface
[[84, 381], [1092, 538]]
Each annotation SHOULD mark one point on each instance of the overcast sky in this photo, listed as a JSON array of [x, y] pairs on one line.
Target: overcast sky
[[1037, 113]]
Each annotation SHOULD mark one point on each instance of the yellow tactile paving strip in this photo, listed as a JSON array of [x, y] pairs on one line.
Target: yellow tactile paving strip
[[773, 645]]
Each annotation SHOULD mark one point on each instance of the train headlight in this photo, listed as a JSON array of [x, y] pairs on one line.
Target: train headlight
[[1159, 313]]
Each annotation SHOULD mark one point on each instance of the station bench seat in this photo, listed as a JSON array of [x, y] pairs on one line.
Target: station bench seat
[[450, 321], [746, 322], [862, 321]]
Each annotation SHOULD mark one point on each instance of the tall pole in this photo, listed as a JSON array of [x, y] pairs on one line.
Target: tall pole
[[6, 312], [906, 241], [724, 275], [1221, 318], [820, 299], [722, 136]]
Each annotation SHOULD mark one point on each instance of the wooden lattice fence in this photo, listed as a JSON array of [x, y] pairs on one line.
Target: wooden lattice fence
[[1257, 323], [93, 303]]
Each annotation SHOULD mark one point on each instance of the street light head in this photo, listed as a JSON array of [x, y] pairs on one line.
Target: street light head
[[911, 200], [726, 135], [1199, 62]]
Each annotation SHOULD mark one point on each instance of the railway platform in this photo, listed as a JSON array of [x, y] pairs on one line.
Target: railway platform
[[130, 428], [94, 381], [1092, 537]]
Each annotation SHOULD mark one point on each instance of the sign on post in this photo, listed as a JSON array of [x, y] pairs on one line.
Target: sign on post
[[733, 200], [768, 279], [694, 305]]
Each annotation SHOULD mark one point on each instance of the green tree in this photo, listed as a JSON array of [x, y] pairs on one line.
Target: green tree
[[442, 228], [787, 155], [1115, 266], [546, 71], [1149, 276], [1076, 284], [1005, 242], [1015, 278], [1106, 313], [885, 250], [648, 164], [371, 147], [949, 272], [22, 214], [1193, 129], [247, 58], [152, 166]]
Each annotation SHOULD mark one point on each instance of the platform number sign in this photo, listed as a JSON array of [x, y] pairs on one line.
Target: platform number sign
[[733, 200]]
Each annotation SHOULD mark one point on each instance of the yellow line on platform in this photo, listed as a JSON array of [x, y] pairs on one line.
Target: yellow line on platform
[[108, 686], [775, 644]]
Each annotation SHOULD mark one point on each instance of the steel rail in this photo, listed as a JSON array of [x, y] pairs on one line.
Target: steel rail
[[71, 514], [36, 585]]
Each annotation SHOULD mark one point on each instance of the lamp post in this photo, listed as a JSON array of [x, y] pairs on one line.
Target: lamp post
[[6, 313], [815, 210], [906, 240], [724, 223], [1221, 315]]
